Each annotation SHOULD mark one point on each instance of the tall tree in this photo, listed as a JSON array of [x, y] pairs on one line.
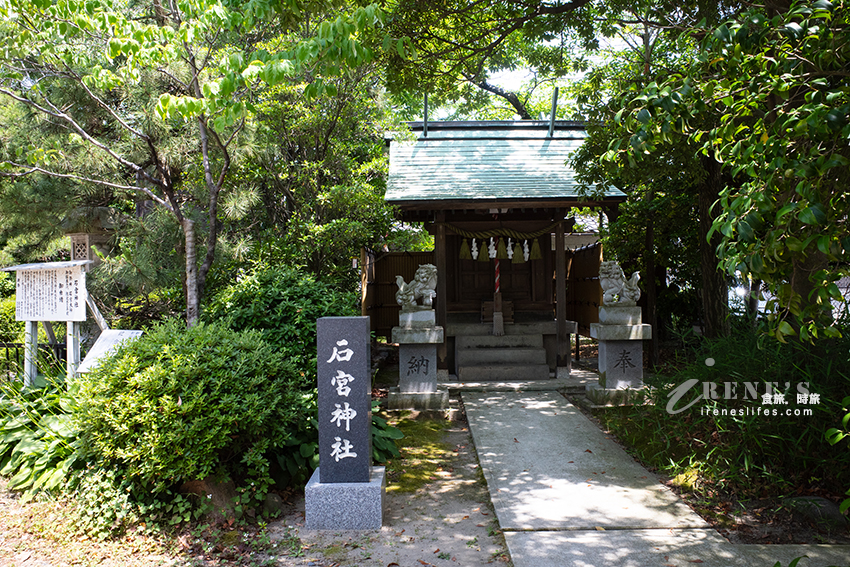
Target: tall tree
[[775, 80], [314, 185], [669, 171], [461, 45], [134, 93], [657, 227]]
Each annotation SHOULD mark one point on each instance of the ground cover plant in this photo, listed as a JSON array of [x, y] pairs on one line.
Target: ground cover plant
[[732, 443], [421, 455], [38, 437]]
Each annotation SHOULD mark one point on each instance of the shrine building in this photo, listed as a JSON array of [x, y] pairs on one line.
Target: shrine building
[[497, 196]]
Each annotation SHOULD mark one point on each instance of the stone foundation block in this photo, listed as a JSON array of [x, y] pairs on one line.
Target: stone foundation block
[[417, 335], [346, 505], [417, 368], [614, 315], [420, 401], [620, 364], [613, 397], [602, 332], [418, 319]]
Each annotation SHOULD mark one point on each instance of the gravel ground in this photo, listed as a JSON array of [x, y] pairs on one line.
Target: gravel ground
[[448, 520]]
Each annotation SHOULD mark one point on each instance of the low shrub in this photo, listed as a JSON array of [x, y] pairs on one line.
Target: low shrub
[[7, 284], [835, 435], [10, 330], [283, 303], [300, 457], [177, 405], [172, 406]]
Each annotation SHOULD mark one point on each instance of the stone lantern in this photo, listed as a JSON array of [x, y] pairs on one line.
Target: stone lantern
[[90, 229]]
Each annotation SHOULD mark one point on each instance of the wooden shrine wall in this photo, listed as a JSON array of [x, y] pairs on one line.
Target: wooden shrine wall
[[378, 271], [584, 295], [532, 283]]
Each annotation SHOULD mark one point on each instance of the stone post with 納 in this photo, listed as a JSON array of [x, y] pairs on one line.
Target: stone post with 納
[[418, 335], [346, 492], [620, 334]]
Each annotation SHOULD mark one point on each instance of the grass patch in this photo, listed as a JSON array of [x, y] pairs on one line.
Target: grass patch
[[423, 452]]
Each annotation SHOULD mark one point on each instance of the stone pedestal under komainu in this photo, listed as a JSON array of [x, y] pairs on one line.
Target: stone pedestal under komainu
[[620, 334], [417, 336]]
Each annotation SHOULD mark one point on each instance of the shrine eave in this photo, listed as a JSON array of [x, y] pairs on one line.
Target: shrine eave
[[424, 211]]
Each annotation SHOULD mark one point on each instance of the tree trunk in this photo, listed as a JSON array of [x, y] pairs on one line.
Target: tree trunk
[[649, 285], [803, 268], [715, 291], [192, 305], [753, 301]]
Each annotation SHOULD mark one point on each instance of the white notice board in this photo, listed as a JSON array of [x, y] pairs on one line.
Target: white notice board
[[53, 291], [104, 345]]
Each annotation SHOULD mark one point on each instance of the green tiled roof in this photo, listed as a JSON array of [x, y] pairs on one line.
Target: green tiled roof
[[469, 164]]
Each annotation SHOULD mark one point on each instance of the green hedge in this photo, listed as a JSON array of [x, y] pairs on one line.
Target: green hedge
[[176, 405], [283, 303]]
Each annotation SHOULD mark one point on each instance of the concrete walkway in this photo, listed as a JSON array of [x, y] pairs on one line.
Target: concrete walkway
[[568, 496]]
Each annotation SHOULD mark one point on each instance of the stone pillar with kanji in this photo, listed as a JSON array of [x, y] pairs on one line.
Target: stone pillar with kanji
[[346, 491], [620, 334]]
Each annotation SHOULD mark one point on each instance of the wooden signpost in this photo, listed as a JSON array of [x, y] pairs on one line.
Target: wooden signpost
[[56, 291]]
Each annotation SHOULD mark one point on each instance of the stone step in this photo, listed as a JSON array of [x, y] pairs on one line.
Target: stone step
[[539, 328], [503, 373], [464, 342], [491, 356]]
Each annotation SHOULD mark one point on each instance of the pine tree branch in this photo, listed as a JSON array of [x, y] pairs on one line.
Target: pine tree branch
[[106, 107], [61, 115], [29, 170]]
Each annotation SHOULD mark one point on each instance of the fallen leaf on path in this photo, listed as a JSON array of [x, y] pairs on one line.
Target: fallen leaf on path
[[600, 529], [570, 461], [399, 533], [465, 518], [425, 563], [588, 451], [437, 550], [515, 441]]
